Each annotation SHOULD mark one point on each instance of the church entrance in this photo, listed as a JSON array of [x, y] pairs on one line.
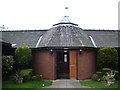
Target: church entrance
[[62, 65], [66, 64]]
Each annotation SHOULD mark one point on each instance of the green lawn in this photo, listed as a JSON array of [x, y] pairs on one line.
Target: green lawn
[[96, 84], [30, 84]]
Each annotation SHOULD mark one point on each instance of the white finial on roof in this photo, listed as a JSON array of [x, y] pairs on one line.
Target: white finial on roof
[[65, 19]]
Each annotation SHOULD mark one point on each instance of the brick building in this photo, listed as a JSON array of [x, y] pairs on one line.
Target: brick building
[[65, 50]]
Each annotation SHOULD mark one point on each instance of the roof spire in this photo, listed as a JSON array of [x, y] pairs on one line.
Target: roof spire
[[66, 17], [65, 21]]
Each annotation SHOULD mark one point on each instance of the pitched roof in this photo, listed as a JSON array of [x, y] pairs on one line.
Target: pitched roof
[[102, 38], [3, 40], [23, 37]]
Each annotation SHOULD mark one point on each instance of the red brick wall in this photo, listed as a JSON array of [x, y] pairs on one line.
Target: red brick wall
[[44, 64], [86, 64]]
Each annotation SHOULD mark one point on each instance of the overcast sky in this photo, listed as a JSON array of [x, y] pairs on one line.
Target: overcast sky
[[42, 14]]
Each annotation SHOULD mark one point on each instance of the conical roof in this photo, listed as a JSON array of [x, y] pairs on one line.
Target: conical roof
[[65, 36]]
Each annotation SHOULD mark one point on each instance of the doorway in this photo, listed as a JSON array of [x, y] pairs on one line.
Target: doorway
[[62, 64]]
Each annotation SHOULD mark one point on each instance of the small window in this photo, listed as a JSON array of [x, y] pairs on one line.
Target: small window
[[65, 58]]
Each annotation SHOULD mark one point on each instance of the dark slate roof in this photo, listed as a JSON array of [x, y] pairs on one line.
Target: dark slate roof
[[65, 36], [56, 37], [3, 40], [104, 38], [23, 37]]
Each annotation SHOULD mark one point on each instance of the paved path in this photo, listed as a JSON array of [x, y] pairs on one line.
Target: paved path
[[66, 84]]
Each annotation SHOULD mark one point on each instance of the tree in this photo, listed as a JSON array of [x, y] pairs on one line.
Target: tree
[[107, 58], [23, 57]]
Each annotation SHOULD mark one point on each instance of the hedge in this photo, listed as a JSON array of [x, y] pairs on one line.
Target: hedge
[[107, 58]]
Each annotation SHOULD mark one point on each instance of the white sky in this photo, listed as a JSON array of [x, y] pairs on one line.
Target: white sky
[[42, 14]]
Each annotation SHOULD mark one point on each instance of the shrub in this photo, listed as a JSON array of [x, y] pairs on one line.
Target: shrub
[[17, 77], [117, 76], [95, 77], [26, 74], [7, 65], [109, 77], [104, 70], [37, 78], [100, 74], [106, 74], [107, 58], [34, 78], [23, 57]]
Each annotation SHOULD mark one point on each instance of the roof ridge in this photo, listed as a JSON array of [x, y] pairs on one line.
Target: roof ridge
[[98, 30], [23, 30]]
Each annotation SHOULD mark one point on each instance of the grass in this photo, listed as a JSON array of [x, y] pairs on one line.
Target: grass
[[95, 84], [29, 84]]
